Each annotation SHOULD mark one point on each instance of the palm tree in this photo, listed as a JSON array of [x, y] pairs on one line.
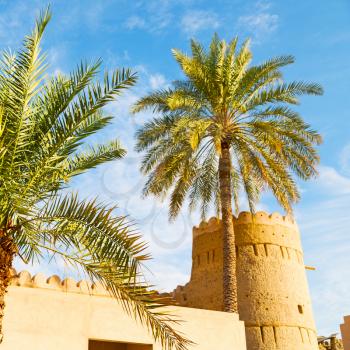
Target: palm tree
[[43, 125], [226, 127]]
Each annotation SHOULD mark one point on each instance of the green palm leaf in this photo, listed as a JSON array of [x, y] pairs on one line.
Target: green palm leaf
[[44, 126]]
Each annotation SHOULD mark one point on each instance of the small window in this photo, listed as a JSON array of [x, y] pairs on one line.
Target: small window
[[300, 309]]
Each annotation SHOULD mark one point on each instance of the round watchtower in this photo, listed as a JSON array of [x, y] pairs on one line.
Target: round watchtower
[[273, 295], [273, 292]]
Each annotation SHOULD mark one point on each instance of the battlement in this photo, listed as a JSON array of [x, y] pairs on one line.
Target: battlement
[[70, 285], [245, 217], [54, 282]]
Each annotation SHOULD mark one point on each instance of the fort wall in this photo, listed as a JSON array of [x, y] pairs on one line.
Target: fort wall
[[273, 292], [46, 313]]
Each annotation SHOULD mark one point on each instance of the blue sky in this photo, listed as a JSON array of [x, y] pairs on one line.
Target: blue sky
[[140, 35]]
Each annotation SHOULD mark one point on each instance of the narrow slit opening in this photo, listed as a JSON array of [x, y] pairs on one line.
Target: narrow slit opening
[[262, 334], [266, 251], [274, 334], [281, 248]]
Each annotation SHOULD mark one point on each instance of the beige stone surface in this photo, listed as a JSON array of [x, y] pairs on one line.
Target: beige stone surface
[[345, 332], [273, 292], [49, 314]]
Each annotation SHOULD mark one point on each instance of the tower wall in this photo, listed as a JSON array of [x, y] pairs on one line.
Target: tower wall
[[345, 332], [273, 294]]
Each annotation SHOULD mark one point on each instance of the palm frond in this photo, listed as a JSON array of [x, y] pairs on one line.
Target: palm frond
[[93, 157], [108, 250], [225, 99], [44, 126]]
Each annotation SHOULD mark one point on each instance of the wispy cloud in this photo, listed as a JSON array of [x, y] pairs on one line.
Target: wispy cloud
[[157, 81], [135, 22], [16, 19], [195, 21], [345, 159], [333, 182], [260, 23], [152, 16]]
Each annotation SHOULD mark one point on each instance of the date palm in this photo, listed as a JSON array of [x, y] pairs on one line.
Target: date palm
[[226, 128], [43, 125]]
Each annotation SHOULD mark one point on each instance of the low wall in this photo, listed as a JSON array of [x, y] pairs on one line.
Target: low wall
[[47, 314]]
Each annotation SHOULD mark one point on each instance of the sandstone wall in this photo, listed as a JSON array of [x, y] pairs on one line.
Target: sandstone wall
[[49, 314], [273, 292]]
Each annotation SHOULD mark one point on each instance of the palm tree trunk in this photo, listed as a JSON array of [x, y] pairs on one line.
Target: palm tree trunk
[[7, 252], [229, 253]]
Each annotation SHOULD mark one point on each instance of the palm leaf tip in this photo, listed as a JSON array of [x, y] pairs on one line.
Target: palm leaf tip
[[42, 20]]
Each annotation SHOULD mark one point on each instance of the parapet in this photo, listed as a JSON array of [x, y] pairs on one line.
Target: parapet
[[246, 217], [25, 279], [257, 229], [69, 285], [213, 224]]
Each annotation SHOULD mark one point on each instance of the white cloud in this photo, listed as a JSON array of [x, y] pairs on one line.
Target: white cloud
[[333, 182], [259, 23], [345, 159], [262, 23], [262, 5], [195, 21], [157, 81], [16, 20], [156, 16], [135, 22]]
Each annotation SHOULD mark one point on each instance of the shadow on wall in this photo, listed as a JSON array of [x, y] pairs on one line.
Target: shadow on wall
[[107, 345]]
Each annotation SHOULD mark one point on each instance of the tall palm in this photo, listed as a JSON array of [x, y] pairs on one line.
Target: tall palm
[[226, 128], [43, 125]]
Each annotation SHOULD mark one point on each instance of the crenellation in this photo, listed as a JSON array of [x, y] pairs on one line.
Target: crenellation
[[24, 279], [54, 282], [69, 284], [39, 280], [262, 217], [84, 287], [98, 289]]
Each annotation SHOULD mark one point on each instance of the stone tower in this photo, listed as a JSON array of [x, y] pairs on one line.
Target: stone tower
[[273, 293]]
